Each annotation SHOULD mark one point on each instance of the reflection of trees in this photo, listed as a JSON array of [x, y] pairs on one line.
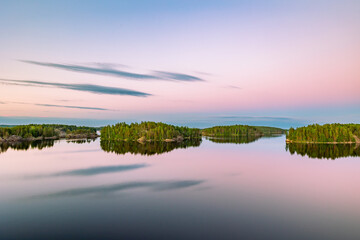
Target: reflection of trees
[[329, 151], [146, 148], [25, 145], [81, 141], [237, 139]]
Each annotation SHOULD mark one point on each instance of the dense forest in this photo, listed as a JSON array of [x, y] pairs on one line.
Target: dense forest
[[148, 131], [328, 133], [39, 131], [146, 148], [321, 151], [240, 130]]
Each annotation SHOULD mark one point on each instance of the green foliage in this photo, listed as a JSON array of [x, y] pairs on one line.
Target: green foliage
[[147, 131], [43, 130], [325, 133], [240, 130]]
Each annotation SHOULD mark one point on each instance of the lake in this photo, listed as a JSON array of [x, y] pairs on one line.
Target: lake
[[211, 189]]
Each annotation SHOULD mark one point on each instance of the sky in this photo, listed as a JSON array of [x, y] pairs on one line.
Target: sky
[[186, 62]]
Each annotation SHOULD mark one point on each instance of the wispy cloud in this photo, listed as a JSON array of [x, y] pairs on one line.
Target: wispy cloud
[[61, 106], [203, 73], [90, 171], [108, 69], [107, 189], [78, 87], [232, 87], [177, 76], [76, 107], [102, 70]]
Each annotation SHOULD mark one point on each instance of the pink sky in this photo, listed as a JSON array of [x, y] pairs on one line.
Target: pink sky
[[252, 58]]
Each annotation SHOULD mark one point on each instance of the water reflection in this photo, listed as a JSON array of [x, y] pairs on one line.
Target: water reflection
[[146, 148], [26, 145], [101, 190], [320, 151], [89, 171], [324, 151], [236, 140], [231, 189], [241, 139], [81, 141]]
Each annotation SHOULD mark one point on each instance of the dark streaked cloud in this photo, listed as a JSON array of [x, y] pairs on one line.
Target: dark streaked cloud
[[108, 69], [76, 107], [60, 106], [178, 76], [102, 70], [107, 189], [78, 87], [90, 171]]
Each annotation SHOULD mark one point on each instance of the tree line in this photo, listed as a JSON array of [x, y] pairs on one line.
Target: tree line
[[145, 131], [44, 130], [325, 133], [240, 130]]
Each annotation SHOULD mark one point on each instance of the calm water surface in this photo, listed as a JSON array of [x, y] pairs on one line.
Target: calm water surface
[[214, 190]]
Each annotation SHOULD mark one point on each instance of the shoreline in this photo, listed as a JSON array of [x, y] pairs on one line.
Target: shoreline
[[18, 139], [142, 140]]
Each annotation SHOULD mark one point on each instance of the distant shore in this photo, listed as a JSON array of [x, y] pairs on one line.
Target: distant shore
[[15, 138]]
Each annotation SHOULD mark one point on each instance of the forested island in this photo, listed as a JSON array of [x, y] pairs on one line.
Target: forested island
[[149, 131], [158, 131], [34, 132], [240, 131], [327, 133]]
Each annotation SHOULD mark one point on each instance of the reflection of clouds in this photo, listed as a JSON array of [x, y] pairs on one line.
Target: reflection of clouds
[[90, 171], [77, 87], [108, 69], [98, 190]]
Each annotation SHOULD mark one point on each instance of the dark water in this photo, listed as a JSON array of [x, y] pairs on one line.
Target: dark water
[[209, 189]]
